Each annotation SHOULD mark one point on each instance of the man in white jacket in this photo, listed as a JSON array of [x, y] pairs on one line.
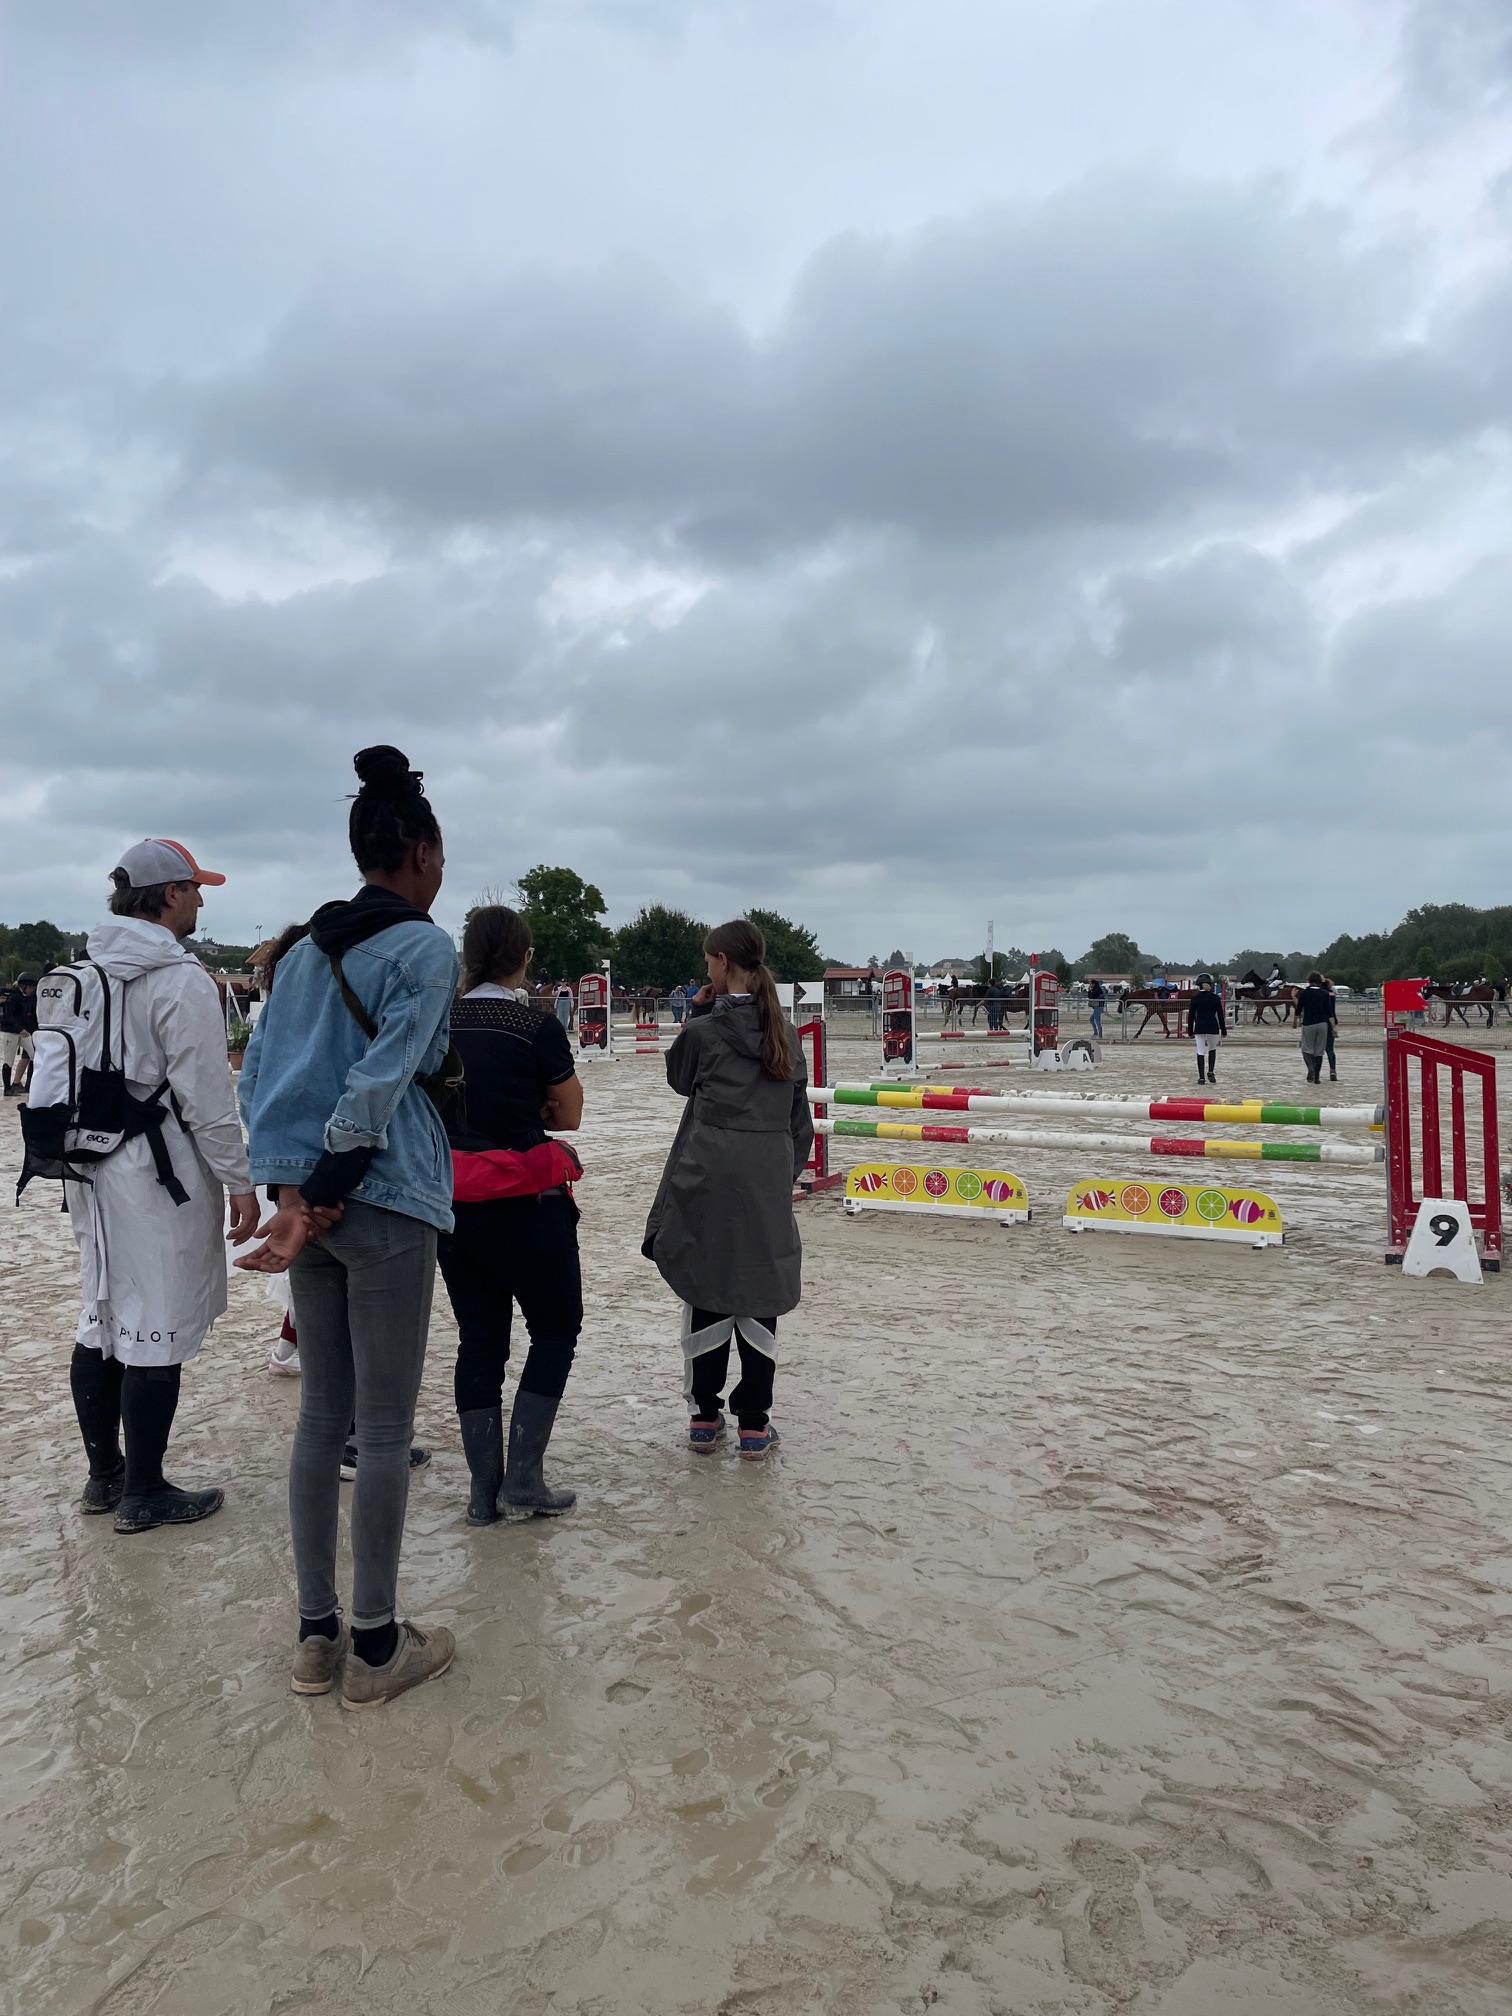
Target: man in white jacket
[[153, 1270]]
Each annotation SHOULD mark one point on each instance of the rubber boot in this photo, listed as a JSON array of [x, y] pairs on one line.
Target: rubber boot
[[526, 1494], [96, 1384], [483, 1443]]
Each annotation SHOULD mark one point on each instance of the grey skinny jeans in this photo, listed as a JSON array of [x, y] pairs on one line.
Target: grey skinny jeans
[[362, 1303]]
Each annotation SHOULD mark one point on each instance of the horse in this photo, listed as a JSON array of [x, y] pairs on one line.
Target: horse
[[1266, 997], [1158, 1003], [1456, 994]]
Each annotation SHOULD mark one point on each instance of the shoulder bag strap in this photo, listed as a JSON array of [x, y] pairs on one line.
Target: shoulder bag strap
[[441, 1087]]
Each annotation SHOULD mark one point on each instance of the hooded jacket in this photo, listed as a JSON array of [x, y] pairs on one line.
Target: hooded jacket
[[152, 1271], [722, 1231], [317, 1096]]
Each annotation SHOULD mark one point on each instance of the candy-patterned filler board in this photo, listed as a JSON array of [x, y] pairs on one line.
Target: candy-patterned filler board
[[1174, 1211], [923, 1187]]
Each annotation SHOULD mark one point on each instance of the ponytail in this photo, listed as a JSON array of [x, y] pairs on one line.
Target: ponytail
[[743, 945]]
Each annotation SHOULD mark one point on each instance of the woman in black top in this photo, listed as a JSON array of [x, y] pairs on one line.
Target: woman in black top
[[516, 1222], [1315, 1017]]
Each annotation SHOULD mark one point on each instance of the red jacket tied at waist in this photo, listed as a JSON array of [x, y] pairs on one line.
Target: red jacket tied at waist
[[512, 1172]]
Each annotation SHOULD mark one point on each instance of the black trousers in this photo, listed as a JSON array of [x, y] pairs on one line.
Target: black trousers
[[751, 1402], [513, 1249]]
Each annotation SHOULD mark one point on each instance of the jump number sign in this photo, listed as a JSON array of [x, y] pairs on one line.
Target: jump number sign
[[1442, 1241]]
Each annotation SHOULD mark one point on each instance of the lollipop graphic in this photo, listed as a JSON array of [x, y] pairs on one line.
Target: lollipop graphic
[[1211, 1205], [968, 1185], [937, 1182], [1173, 1202], [904, 1182], [1134, 1198]]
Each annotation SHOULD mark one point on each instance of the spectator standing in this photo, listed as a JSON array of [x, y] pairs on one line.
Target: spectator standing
[[515, 1232], [18, 1026], [1333, 1026], [564, 1002], [149, 1223], [677, 1001], [721, 1230], [1315, 1018], [338, 1090], [1097, 1001]]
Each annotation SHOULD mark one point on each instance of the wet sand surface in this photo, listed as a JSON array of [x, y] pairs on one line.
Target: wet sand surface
[[1122, 1625]]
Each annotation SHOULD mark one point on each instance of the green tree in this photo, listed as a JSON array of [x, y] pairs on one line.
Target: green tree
[[1063, 972], [659, 948], [1465, 966], [1114, 952], [27, 948], [999, 969], [565, 917], [792, 950], [1424, 962]]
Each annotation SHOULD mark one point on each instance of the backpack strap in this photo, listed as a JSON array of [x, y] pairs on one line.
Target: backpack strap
[[443, 1087], [152, 1127]]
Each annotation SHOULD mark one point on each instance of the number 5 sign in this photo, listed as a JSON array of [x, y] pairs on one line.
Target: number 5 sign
[[1442, 1238]]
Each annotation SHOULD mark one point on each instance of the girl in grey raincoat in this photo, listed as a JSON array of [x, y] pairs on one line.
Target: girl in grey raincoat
[[722, 1230]]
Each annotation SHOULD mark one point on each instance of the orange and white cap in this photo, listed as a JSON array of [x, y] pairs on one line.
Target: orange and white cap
[[152, 862]]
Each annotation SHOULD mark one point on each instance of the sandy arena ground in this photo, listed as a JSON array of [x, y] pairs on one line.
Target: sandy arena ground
[[1123, 1625]]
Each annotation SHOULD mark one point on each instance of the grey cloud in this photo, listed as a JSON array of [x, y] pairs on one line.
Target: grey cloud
[[1226, 613], [1456, 56], [1116, 354], [979, 603], [272, 31]]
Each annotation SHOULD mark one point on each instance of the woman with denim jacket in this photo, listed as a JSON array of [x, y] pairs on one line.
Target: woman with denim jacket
[[340, 1123]]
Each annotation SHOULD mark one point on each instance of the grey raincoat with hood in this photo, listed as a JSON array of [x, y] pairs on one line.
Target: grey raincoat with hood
[[722, 1230]]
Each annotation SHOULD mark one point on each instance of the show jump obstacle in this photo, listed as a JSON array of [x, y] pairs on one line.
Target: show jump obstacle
[[1436, 1145], [1415, 1141], [600, 1036], [902, 1038]]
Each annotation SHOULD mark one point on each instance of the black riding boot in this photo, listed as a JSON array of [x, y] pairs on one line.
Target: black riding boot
[[96, 1383], [149, 1401], [526, 1494], [483, 1442], [1212, 1074], [5, 1073]]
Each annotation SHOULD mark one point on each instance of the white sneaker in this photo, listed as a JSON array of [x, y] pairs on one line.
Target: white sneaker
[[283, 1359]]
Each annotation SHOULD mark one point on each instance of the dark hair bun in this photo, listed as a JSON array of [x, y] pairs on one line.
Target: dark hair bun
[[386, 771]]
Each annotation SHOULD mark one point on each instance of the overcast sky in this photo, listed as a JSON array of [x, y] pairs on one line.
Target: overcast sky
[[896, 463]]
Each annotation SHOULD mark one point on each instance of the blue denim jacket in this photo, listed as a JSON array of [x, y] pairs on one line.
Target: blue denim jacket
[[312, 1080]]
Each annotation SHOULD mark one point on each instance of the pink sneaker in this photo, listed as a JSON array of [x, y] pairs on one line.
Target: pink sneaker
[[704, 1437], [755, 1442]]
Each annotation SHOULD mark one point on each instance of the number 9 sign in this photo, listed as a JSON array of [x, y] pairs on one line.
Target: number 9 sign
[[1442, 1241]]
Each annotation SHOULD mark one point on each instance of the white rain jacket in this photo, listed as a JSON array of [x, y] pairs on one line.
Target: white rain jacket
[[152, 1272]]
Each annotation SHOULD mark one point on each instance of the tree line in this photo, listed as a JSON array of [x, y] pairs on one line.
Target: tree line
[[1440, 941], [661, 946]]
